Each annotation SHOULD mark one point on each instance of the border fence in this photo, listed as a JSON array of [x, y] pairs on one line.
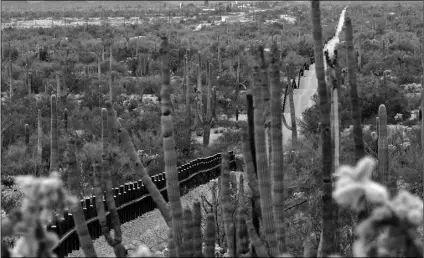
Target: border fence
[[133, 200]]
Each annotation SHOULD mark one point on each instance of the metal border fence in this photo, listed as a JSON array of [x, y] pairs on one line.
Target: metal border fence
[[133, 200]]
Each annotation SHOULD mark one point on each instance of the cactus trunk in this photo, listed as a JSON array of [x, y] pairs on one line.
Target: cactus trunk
[[293, 126], [227, 206], [383, 152], [277, 165], [188, 92], [110, 75], [328, 227], [356, 114], [26, 134], [261, 159], [210, 236], [53, 135], [170, 156], [39, 142]]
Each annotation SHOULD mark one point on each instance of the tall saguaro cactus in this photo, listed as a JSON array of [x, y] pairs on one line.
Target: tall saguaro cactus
[[328, 227], [110, 74], [261, 158], [351, 72], [277, 165], [10, 73], [204, 110], [187, 90], [53, 135], [39, 141], [169, 150], [383, 152]]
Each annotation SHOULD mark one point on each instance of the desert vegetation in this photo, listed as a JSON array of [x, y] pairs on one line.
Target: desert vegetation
[[101, 97]]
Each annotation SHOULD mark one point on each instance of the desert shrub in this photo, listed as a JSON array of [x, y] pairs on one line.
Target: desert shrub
[[11, 199]]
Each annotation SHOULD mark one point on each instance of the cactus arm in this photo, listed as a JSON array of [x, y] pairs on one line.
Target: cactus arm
[[261, 159], [53, 141], [78, 215], [277, 165], [356, 115], [170, 156], [285, 123], [210, 236], [328, 227]]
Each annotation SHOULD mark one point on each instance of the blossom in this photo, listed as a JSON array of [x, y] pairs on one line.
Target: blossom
[[354, 183]]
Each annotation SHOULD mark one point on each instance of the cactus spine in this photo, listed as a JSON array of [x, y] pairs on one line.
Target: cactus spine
[[328, 227], [53, 135], [169, 150], [78, 214]]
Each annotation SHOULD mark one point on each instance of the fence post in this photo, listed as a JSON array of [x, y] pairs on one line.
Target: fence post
[[96, 224], [121, 201]]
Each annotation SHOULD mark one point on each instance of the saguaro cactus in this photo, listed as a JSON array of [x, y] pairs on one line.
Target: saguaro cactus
[[356, 114], [26, 134], [261, 159], [39, 140], [328, 228], [65, 118], [187, 90], [383, 152], [204, 103], [53, 135], [277, 165], [10, 73], [110, 74], [169, 150]]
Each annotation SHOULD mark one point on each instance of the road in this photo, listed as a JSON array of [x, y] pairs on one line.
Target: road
[[308, 86]]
